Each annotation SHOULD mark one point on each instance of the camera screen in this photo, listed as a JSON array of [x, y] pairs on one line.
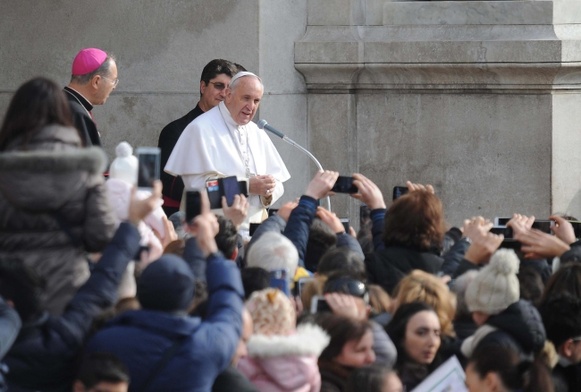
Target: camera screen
[[148, 169], [193, 205]]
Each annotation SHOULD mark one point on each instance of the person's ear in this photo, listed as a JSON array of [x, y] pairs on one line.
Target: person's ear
[[203, 87], [493, 382], [95, 80], [234, 254], [568, 348]]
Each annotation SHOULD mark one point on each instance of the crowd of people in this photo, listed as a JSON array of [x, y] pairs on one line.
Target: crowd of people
[[107, 288]]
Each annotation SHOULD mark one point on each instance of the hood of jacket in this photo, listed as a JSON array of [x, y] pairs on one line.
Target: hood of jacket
[[523, 323], [50, 172], [309, 339]]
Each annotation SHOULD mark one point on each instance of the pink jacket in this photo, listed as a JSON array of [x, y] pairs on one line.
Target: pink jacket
[[285, 363]]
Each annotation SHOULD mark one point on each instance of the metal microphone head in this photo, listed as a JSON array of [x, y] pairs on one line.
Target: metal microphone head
[[261, 123]]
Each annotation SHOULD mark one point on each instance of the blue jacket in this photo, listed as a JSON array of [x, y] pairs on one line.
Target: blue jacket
[[42, 358], [205, 348]]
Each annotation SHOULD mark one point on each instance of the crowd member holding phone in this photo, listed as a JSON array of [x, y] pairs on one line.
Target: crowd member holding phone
[[214, 80], [53, 203], [93, 78], [225, 141]]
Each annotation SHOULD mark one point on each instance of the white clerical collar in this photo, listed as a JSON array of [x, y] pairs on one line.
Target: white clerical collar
[[230, 123]]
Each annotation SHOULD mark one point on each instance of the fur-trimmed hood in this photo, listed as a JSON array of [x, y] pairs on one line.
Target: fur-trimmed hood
[[309, 339], [40, 180]]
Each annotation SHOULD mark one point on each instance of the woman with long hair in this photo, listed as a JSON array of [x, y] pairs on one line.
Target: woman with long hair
[[415, 331], [53, 205]]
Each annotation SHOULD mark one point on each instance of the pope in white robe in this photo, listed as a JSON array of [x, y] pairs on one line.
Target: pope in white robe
[[225, 142]]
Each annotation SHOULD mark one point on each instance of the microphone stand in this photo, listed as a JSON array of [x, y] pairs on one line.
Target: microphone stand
[[262, 124]]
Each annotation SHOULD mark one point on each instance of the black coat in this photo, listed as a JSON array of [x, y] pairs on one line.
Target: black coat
[[387, 266]]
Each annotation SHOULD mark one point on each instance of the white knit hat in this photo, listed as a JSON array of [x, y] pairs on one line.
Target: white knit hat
[[125, 166], [496, 286]]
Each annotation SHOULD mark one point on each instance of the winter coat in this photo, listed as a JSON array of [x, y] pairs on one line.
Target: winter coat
[[54, 208], [387, 266], [285, 363], [43, 356], [203, 348], [518, 327], [333, 376]]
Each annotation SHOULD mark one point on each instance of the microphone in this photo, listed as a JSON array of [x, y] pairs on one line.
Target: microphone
[[262, 124]]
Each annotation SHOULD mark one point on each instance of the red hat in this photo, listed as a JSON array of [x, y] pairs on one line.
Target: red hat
[[88, 60]]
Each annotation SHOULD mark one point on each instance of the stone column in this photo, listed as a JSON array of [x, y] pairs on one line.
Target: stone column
[[478, 98]]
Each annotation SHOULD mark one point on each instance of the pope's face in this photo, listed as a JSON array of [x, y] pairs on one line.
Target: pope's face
[[242, 101]]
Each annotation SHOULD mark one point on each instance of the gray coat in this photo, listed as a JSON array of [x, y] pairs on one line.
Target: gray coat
[[47, 188]]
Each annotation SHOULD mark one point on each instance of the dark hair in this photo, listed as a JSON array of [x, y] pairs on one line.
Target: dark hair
[[561, 318], [102, 367], [254, 279], [346, 284], [369, 378], [321, 239], [227, 237], [515, 374], [415, 220], [396, 329], [103, 70], [567, 280], [341, 330], [530, 283], [217, 67], [344, 260], [23, 286], [36, 104]]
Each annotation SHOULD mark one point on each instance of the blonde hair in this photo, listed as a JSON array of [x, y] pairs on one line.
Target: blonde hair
[[424, 287]]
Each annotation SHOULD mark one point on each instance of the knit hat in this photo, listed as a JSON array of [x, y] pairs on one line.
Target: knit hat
[[496, 286], [272, 312], [88, 60], [166, 285], [125, 166]]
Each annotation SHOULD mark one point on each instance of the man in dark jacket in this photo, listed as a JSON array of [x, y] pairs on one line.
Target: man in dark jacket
[[43, 356], [163, 347]]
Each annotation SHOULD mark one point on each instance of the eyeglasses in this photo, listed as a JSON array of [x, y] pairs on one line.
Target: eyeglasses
[[114, 81], [218, 85]]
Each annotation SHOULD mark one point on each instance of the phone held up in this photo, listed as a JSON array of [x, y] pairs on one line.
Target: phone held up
[[344, 184], [280, 279], [319, 304], [148, 159], [399, 191], [193, 204]]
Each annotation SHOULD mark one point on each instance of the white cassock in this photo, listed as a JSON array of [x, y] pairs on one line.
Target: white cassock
[[213, 145]]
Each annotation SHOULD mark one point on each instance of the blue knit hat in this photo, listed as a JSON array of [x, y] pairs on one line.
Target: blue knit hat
[[166, 285]]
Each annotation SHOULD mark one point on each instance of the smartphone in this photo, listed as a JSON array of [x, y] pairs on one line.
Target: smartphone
[[345, 222], [302, 282], [319, 304], [511, 244], [252, 228], [148, 166], [500, 221], [243, 187], [229, 187], [213, 189], [399, 191], [576, 228], [279, 279], [344, 184], [543, 225], [505, 231], [193, 204]]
